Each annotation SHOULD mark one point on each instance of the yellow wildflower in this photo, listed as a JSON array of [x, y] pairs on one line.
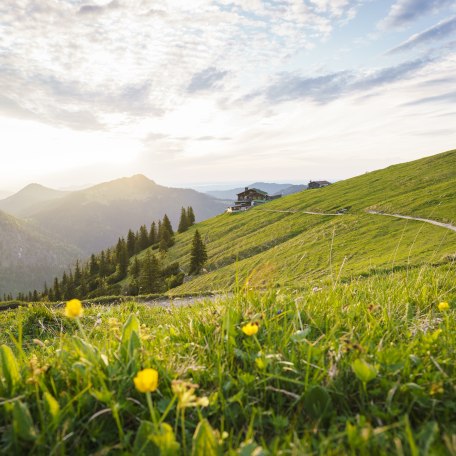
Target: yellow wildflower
[[146, 380], [250, 328], [443, 306], [73, 308]]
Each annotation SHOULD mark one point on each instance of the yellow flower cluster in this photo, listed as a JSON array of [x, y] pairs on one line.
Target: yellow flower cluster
[[443, 306], [146, 381]]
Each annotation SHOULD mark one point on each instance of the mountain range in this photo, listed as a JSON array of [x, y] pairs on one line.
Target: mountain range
[[79, 223]]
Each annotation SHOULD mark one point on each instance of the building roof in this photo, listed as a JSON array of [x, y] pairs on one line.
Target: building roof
[[254, 189], [319, 182]]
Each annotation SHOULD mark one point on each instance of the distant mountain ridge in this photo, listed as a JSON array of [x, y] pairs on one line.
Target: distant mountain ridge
[[30, 199], [94, 218]]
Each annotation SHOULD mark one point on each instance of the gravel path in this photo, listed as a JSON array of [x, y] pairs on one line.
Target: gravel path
[[419, 219], [184, 301], [449, 226]]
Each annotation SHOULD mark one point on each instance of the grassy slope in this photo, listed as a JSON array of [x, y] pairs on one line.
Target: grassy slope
[[292, 389], [293, 247]]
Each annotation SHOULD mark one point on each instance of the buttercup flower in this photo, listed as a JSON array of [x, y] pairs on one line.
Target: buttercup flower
[[73, 308], [146, 381], [443, 306], [250, 328]]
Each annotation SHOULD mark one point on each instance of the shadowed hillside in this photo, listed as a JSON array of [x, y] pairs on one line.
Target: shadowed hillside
[[29, 257]]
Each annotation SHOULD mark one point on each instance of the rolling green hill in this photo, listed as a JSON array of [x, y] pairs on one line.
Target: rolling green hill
[[289, 248]]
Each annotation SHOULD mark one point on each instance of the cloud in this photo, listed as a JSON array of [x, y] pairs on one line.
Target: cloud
[[439, 31], [403, 12], [99, 9], [206, 80], [328, 87], [449, 97], [322, 88]]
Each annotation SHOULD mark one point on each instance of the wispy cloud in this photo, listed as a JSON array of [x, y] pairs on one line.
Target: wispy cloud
[[328, 87], [440, 31], [207, 79], [403, 12]]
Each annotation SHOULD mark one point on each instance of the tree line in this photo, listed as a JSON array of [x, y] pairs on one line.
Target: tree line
[[103, 273]]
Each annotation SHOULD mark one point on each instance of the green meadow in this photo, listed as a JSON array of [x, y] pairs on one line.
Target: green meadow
[[327, 335]]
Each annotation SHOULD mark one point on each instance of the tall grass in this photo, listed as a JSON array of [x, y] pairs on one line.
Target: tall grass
[[365, 367]]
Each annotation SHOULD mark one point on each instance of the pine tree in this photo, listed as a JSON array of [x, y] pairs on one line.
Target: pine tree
[[150, 277], [153, 234], [102, 266], [143, 240], [167, 224], [198, 254], [131, 241], [77, 275], [165, 234], [135, 268], [190, 216], [93, 265], [166, 240], [183, 222], [122, 258], [57, 292]]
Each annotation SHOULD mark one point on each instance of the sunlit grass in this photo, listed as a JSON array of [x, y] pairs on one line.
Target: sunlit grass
[[365, 367]]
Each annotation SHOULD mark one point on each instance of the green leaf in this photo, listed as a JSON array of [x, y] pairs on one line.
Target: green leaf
[[51, 405], [23, 423], [317, 402], [301, 335], [150, 442], [130, 337], [205, 442], [250, 448], [9, 368], [363, 370]]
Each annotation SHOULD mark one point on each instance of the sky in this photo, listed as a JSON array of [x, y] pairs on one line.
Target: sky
[[211, 92]]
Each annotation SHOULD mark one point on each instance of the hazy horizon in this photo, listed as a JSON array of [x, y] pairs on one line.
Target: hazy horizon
[[222, 91]]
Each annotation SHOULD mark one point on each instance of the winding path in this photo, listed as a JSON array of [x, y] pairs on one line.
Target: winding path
[[448, 226], [408, 217]]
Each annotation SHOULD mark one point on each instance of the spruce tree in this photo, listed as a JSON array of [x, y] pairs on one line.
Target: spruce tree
[[150, 278], [198, 254], [165, 234], [183, 222], [122, 258], [167, 224], [166, 240], [93, 266], [131, 241], [57, 292], [143, 239], [135, 268], [77, 275], [153, 234], [190, 216]]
